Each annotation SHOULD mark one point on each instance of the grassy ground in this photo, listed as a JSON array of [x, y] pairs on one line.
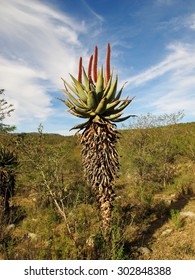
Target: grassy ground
[[153, 216]]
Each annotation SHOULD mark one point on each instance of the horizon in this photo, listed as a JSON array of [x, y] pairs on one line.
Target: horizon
[[122, 128]]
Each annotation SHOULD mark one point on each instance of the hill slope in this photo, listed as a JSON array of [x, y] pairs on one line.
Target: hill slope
[[154, 213]]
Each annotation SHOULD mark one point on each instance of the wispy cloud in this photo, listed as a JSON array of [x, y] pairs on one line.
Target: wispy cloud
[[95, 14], [38, 45], [182, 22], [179, 58], [165, 2], [168, 86]]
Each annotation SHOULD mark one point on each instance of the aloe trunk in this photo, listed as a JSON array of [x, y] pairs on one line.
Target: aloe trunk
[[100, 162]]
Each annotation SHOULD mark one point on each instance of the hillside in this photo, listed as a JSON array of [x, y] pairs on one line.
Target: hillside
[[154, 212]]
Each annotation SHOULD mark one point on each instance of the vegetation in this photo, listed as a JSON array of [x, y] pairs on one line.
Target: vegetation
[[53, 214], [47, 211], [8, 162], [5, 111]]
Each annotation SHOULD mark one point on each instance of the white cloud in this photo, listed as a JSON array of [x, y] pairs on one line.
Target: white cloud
[[38, 46], [28, 96], [168, 86]]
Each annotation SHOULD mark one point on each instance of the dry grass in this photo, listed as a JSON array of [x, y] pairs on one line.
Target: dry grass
[[166, 241]]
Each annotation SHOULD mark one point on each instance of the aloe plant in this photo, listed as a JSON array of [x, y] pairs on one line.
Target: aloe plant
[[8, 164], [94, 96]]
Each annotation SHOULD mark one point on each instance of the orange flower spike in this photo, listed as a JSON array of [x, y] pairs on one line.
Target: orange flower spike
[[90, 68], [80, 70], [95, 64], [108, 64]]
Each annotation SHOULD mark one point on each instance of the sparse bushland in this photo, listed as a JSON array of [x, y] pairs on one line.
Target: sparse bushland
[[156, 179]]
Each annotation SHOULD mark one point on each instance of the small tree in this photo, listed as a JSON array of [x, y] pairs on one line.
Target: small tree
[[5, 111]]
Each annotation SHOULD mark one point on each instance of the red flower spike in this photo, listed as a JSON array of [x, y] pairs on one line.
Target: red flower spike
[[108, 64], [90, 68], [80, 71], [95, 64]]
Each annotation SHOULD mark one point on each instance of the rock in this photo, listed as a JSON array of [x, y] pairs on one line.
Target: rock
[[10, 227], [166, 232], [173, 196], [144, 251], [168, 201], [32, 236], [90, 242], [188, 214]]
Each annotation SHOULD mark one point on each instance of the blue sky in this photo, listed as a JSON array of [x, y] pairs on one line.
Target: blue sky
[[152, 47]]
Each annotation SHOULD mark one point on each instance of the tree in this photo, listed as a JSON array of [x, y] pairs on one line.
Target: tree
[[97, 100], [5, 111]]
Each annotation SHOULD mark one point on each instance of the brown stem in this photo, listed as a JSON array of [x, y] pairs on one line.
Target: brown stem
[[61, 208]]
